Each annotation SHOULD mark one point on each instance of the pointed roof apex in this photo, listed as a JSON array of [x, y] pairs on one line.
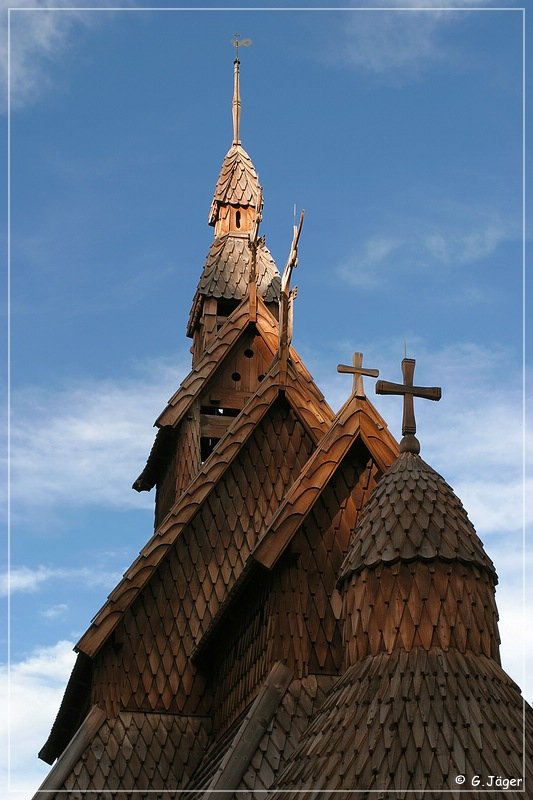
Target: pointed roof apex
[[237, 183]]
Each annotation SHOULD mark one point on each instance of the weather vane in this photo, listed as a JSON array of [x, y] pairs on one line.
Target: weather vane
[[236, 42]]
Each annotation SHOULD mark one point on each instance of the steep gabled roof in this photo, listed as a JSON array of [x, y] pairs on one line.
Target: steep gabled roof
[[267, 327], [152, 555], [357, 418]]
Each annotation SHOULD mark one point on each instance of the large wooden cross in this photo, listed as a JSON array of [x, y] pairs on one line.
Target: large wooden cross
[[409, 392], [357, 370]]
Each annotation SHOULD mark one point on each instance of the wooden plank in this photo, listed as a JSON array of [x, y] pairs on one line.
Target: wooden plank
[[251, 732], [72, 753], [214, 426], [225, 398]]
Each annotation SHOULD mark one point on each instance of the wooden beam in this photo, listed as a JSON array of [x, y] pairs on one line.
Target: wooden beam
[[246, 741], [214, 426], [225, 398], [71, 754]]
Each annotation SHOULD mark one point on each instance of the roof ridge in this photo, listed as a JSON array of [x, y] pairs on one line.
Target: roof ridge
[[318, 471], [152, 554]]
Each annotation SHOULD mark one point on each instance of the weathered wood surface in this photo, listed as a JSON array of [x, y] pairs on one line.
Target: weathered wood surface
[[237, 182], [353, 420], [249, 734], [64, 766], [285, 448], [414, 514], [227, 267], [267, 329], [138, 751], [417, 604], [408, 721]]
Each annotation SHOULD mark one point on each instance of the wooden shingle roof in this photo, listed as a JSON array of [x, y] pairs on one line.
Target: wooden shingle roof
[[405, 721], [413, 513], [237, 182], [267, 327], [154, 552], [226, 270], [357, 418]]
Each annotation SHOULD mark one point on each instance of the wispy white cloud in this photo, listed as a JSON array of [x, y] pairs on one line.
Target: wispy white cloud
[[31, 693], [401, 42], [40, 32], [54, 612], [31, 579], [84, 445], [411, 245], [473, 437]]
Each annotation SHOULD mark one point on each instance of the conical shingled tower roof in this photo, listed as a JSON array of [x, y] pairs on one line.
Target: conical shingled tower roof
[[414, 514], [237, 182], [423, 700], [227, 265]]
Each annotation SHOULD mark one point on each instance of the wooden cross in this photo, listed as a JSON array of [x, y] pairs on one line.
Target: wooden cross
[[358, 371], [409, 442]]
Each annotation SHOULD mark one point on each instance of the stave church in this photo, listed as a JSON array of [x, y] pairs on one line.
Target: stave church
[[314, 615]]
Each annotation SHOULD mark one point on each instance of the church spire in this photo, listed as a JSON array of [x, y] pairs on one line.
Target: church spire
[[235, 209]]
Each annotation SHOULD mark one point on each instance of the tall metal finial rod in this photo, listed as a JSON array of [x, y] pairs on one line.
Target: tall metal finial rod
[[409, 443], [236, 104]]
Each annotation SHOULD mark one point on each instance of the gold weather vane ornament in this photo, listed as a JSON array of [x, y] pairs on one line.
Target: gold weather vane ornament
[[409, 443], [357, 370], [236, 104]]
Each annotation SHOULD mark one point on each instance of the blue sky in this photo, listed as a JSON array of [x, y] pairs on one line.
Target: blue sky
[[399, 132]]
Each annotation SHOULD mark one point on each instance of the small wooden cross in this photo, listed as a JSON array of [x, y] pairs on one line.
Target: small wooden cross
[[358, 371], [409, 442]]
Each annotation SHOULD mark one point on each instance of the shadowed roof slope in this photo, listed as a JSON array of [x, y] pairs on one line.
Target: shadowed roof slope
[[408, 721], [226, 270]]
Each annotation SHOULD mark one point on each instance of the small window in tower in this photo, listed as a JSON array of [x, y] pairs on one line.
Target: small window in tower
[[235, 376], [238, 219], [249, 353]]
